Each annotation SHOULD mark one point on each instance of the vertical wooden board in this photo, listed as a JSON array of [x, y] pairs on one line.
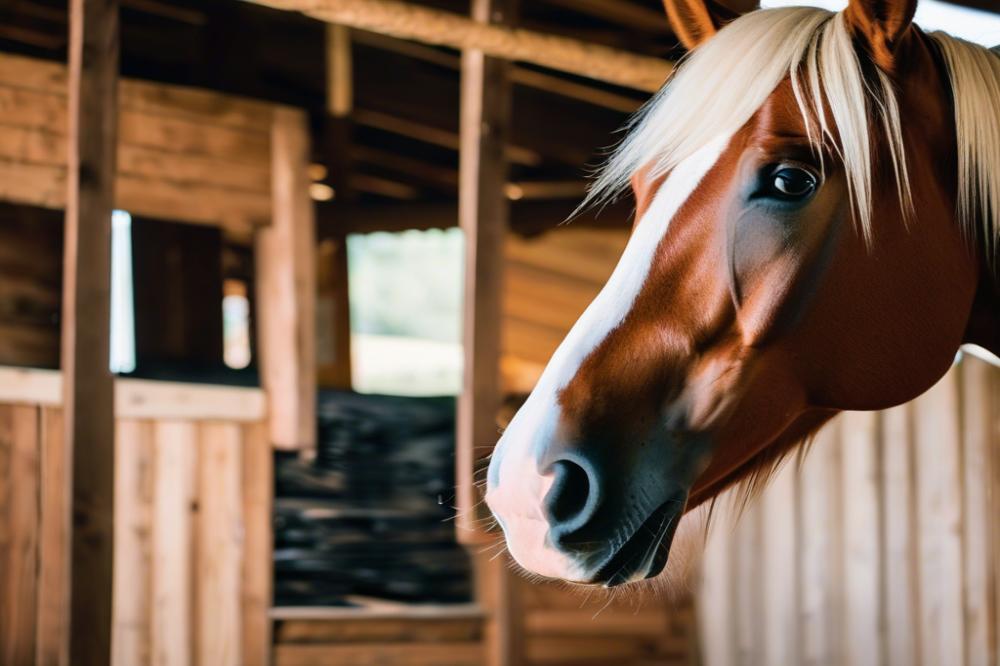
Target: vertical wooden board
[[52, 643], [130, 630], [978, 520], [749, 589], [714, 603], [862, 564], [780, 569], [19, 468], [939, 523], [88, 391], [286, 288], [258, 545], [818, 545], [899, 584], [218, 567], [174, 474], [994, 454]]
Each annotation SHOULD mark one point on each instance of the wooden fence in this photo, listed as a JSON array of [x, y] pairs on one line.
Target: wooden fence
[[881, 547], [193, 482]]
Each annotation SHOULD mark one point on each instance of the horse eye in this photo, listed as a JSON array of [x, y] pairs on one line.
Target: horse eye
[[792, 183]]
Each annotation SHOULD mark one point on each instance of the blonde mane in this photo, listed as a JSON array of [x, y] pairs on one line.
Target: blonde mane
[[719, 87]]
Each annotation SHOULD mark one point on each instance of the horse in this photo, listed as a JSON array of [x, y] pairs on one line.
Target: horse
[[817, 217]]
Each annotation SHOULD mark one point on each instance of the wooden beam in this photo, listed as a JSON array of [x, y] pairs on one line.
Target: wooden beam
[[527, 218], [518, 75], [483, 214], [624, 13], [88, 392], [286, 289], [433, 26]]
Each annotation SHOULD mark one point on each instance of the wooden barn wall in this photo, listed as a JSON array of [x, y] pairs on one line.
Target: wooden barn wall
[[192, 532], [184, 154], [549, 281], [565, 627], [882, 547]]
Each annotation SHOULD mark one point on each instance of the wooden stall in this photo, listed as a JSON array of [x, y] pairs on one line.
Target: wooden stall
[[881, 545], [192, 573]]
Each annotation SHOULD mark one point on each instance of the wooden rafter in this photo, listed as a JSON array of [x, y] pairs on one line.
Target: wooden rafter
[[432, 26]]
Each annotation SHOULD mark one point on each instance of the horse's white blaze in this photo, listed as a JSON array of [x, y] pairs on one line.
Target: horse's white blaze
[[516, 487]]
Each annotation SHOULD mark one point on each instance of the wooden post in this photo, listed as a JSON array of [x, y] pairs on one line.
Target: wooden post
[[333, 313], [88, 398], [483, 216], [286, 289]]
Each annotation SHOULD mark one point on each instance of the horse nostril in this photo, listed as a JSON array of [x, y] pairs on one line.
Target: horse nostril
[[572, 497]]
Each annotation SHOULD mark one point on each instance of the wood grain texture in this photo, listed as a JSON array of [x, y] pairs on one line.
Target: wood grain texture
[[134, 514], [176, 465], [19, 488], [52, 643], [896, 538], [286, 289], [258, 544], [218, 562], [88, 392]]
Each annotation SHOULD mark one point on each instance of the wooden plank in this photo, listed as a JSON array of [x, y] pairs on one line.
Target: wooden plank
[[52, 644], [141, 398], [717, 628], [862, 600], [818, 544], [748, 606], [780, 570], [88, 403], [218, 565], [939, 523], [174, 494], [376, 654], [19, 490], [899, 585], [258, 544], [484, 217], [32, 184], [286, 289], [134, 486], [379, 630], [978, 520]]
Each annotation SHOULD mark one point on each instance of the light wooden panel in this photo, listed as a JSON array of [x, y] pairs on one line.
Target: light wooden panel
[[192, 540], [564, 626], [896, 557], [183, 154]]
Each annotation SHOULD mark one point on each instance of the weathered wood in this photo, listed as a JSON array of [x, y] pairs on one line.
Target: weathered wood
[[88, 403], [218, 573], [19, 488], [52, 643], [175, 464], [134, 558], [286, 289], [431, 26], [717, 636], [348, 629], [258, 545]]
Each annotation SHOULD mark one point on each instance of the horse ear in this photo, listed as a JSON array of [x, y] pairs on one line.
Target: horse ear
[[881, 25], [694, 21]]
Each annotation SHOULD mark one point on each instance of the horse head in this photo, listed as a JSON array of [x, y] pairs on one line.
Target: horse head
[[814, 212]]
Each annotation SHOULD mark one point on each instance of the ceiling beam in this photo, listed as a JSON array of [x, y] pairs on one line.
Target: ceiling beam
[[441, 28], [621, 12], [527, 218]]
